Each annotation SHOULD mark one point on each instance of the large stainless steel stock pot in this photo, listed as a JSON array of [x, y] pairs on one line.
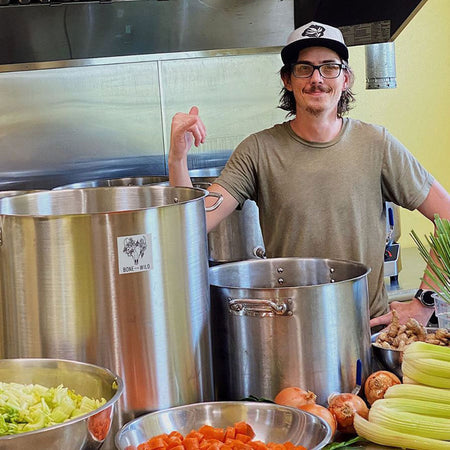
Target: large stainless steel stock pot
[[116, 277], [4, 194], [162, 180], [288, 322]]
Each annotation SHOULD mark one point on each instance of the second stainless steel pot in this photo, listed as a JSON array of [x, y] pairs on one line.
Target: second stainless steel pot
[[239, 236], [289, 322]]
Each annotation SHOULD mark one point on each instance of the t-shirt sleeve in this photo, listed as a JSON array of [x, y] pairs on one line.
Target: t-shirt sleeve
[[239, 175], [404, 180]]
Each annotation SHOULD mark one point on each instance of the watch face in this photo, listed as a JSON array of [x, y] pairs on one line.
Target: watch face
[[427, 298]]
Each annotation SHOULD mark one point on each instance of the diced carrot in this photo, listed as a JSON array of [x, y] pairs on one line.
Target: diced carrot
[[210, 432], [239, 445], [278, 447], [230, 433], [178, 447], [176, 434], [194, 434], [243, 437], [191, 443], [238, 437], [173, 442], [244, 428], [257, 445], [156, 442], [215, 446], [206, 443]]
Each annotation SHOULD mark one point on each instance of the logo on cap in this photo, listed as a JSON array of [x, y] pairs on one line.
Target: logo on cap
[[314, 31]]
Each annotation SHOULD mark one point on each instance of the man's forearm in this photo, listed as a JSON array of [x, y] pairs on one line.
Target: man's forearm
[[179, 173]]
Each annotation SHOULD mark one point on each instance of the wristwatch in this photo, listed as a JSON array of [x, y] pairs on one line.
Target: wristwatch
[[425, 297]]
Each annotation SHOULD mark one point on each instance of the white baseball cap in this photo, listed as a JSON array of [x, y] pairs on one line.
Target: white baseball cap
[[314, 34]]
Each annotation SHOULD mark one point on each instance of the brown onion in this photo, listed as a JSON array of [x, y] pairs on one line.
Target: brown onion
[[323, 413], [343, 407], [377, 384], [295, 397]]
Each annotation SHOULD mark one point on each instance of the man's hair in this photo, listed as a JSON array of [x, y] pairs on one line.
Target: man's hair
[[287, 100]]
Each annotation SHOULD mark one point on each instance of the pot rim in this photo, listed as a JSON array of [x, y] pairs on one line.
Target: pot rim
[[82, 192], [217, 268]]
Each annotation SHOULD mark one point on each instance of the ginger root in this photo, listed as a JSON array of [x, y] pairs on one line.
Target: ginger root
[[397, 336]]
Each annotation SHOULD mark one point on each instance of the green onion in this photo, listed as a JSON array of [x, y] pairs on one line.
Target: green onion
[[439, 244]]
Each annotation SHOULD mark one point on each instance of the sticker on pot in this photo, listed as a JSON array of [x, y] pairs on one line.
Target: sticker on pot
[[135, 253]]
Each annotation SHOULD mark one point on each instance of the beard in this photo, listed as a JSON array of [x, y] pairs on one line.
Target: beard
[[316, 110]]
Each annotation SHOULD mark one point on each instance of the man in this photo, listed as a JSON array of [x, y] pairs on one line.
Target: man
[[320, 180]]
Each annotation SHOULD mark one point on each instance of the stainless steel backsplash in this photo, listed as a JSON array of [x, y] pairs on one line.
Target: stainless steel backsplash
[[62, 125]]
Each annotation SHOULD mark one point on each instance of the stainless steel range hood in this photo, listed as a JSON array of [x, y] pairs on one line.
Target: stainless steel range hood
[[71, 31]]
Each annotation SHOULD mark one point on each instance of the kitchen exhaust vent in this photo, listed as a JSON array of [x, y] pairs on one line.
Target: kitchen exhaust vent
[[38, 31]]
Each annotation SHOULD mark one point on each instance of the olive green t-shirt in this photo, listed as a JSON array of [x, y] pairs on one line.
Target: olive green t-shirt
[[327, 200]]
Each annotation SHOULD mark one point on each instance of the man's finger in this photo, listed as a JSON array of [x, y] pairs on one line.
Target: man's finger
[[194, 111], [381, 320]]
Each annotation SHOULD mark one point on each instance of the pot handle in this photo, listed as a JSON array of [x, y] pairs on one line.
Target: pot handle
[[201, 184], [263, 307], [217, 203]]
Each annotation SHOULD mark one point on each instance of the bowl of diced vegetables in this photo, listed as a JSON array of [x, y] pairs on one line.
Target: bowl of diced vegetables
[[232, 424], [55, 404]]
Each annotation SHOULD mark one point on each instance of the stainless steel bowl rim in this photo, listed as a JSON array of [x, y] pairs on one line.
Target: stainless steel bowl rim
[[110, 402], [245, 403]]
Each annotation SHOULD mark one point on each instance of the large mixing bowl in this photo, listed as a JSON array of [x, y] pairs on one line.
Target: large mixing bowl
[[270, 422], [86, 432]]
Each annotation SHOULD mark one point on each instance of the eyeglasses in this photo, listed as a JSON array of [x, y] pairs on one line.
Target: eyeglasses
[[327, 70]]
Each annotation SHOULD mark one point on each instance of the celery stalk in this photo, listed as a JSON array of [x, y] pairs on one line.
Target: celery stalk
[[424, 378], [431, 366], [426, 408], [418, 392], [384, 436], [432, 350], [410, 423]]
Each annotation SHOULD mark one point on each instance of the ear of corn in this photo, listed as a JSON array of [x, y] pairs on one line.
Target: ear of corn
[[418, 392], [410, 423], [427, 408], [385, 436]]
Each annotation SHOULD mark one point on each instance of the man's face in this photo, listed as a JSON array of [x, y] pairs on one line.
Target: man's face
[[317, 95]]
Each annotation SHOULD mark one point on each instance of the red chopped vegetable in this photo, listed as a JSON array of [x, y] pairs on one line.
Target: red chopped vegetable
[[238, 437]]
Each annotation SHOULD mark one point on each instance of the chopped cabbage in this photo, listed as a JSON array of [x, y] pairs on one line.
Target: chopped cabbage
[[30, 407]]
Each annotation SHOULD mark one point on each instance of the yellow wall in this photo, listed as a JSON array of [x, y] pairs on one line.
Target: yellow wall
[[417, 111]]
